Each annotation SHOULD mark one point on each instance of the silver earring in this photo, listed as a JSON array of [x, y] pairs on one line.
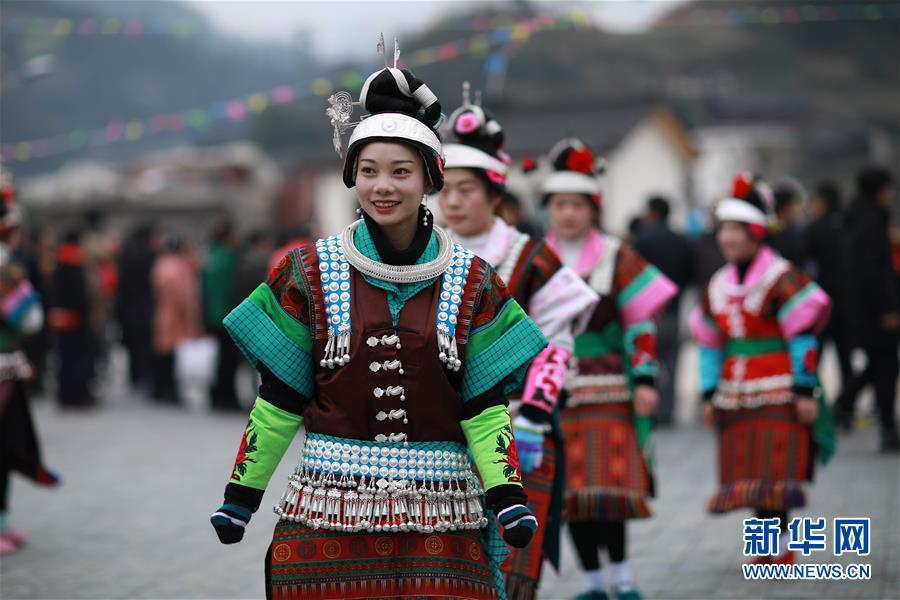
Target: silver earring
[[359, 211], [426, 212]]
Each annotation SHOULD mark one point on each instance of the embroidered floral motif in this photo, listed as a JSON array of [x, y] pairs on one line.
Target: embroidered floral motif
[[811, 360], [644, 350], [492, 300], [506, 447], [248, 447]]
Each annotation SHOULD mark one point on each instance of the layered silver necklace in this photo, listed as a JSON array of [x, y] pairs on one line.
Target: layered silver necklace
[[398, 273]]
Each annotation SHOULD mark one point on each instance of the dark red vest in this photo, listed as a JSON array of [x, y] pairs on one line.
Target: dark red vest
[[355, 400]]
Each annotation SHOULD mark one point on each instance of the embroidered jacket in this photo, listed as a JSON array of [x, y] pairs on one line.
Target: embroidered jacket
[[619, 344], [757, 337], [394, 388], [553, 295]]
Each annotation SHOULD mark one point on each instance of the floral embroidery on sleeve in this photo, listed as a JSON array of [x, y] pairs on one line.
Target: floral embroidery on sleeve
[[248, 447], [506, 447]]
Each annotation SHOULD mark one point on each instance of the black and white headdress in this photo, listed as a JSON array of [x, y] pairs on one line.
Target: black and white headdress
[[400, 108], [479, 141], [575, 170], [751, 201]]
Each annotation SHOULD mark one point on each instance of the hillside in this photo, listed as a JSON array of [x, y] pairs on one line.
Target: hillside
[[835, 78], [99, 78]]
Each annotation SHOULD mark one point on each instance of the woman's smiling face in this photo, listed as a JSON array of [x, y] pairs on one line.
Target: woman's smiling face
[[390, 182]]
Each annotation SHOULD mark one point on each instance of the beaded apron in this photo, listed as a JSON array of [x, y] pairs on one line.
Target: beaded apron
[[342, 484]]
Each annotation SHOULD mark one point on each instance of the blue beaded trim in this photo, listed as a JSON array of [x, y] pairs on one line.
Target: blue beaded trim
[[334, 273]]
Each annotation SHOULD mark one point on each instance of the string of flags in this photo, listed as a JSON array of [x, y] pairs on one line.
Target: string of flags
[[479, 45], [491, 33], [181, 27], [47, 27]]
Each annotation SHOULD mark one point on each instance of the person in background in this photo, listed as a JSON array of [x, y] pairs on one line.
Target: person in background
[[787, 237], [26, 253], [21, 314], [177, 316], [822, 247], [671, 254], [756, 324], [510, 210], [634, 228], [219, 289], [707, 256], [607, 419], [68, 318], [297, 237], [551, 294], [134, 303], [101, 278], [871, 295], [253, 263]]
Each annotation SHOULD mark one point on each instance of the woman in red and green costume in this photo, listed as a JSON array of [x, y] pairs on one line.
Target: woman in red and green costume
[[757, 327], [21, 315], [551, 293], [606, 421], [396, 350]]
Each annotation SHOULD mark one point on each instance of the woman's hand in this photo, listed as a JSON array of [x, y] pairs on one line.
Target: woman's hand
[[807, 409], [646, 400]]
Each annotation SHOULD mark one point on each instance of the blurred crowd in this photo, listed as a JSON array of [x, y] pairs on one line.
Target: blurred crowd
[[154, 292]]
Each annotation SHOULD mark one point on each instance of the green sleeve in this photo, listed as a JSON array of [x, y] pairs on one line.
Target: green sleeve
[[491, 442], [267, 436]]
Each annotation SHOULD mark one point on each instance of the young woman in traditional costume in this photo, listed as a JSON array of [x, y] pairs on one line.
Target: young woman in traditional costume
[[396, 349], [606, 421], [20, 315], [756, 326], [552, 294]]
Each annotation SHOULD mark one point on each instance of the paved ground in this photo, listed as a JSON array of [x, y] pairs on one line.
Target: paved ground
[[131, 520]]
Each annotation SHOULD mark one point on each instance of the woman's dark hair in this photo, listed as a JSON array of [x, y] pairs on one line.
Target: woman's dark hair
[[492, 189], [72, 236], [830, 194], [659, 206], [872, 180], [222, 231], [173, 244]]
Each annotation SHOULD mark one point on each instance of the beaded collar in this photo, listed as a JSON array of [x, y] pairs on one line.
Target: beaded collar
[[336, 256]]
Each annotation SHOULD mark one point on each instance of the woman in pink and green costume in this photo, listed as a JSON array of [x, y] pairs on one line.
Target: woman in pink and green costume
[[606, 420], [757, 327]]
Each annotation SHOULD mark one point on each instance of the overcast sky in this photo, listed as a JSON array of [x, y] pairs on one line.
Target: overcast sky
[[348, 29]]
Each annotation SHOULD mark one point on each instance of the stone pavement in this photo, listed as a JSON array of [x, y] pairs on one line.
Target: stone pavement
[[131, 520]]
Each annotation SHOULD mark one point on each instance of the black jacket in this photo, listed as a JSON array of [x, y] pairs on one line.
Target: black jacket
[[870, 288], [670, 252], [823, 249]]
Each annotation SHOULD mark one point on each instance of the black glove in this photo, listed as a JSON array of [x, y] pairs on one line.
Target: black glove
[[519, 525], [229, 521]]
